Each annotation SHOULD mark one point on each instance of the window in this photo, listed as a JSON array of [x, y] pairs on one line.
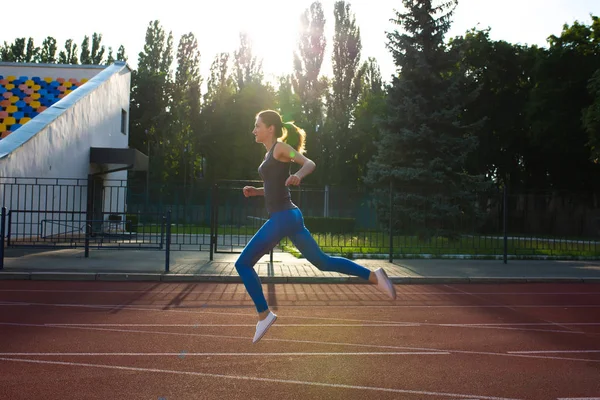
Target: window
[[123, 122]]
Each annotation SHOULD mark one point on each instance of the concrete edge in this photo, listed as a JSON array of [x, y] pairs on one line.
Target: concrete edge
[[166, 277], [423, 280], [555, 280], [61, 276], [14, 275], [106, 276], [591, 280]]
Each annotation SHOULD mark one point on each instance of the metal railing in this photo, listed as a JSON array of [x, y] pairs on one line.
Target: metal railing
[[385, 223]]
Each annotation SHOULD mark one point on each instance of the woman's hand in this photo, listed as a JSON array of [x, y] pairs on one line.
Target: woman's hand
[[293, 180], [250, 191]]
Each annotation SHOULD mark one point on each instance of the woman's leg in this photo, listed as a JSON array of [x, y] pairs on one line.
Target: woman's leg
[[303, 240], [263, 241], [305, 243]]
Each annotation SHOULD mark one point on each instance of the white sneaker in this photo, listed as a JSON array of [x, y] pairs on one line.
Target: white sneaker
[[263, 326], [384, 284]]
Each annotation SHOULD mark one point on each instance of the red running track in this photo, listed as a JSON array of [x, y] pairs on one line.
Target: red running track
[[112, 340]]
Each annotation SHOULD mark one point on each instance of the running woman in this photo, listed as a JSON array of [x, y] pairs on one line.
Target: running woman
[[284, 143]]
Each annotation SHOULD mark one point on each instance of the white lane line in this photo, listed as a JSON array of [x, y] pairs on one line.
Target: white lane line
[[513, 308], [357, 306], [391, 325], [517, 329], [198, 311], [241, 325], [162, 309], [525, 324], [554, 351], [173, 291], [406, 324], [384, 353], [359, 345], [258, 379]]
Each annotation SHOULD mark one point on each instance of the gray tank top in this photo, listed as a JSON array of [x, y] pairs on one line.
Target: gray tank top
[[274, 173]]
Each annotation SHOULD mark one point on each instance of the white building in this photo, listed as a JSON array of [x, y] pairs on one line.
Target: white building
[[63, 126]]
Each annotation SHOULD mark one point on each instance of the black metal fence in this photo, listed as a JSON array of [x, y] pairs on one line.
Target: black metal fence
[[387, 223]]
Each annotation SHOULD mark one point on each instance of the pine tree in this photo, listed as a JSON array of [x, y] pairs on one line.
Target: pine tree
[[423, 144]]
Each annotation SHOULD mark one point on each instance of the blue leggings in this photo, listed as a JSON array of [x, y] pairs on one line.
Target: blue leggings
[[288, 223]]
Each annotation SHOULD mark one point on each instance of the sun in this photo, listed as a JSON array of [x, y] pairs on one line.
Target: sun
[[272, 27]]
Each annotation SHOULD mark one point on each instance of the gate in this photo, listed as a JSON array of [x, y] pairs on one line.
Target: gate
[[234, 218]]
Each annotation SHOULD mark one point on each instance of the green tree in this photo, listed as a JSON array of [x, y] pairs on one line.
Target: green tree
[[247, 68], [244, 155], [215, 116], [345, 87], [17, 50], [306, 81], [184, 153], [252, 95], [85, 57], [5, 53], [591, 117], [32, 52], [48, 51], [424, 144], [69, 54], [151, 100], [121, 56], [503, 74], [559, 96], [97, 54], [109, 58], [288, 100], [369, 110]]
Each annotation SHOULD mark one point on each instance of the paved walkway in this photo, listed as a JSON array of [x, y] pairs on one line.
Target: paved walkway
[[70, 264]]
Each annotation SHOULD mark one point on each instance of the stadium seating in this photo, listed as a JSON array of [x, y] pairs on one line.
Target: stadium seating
[[22, 98]]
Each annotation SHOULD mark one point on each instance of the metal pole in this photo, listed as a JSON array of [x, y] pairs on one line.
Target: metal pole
[[168, 246], [162, 232], [216, 226], [88, 214], [2, 234], [326, 202], [505, 206], [9, 229], [212, 220], [391, 221]]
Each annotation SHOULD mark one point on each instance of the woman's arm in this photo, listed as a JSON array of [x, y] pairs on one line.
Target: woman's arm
[[286, 153], [250, 191]]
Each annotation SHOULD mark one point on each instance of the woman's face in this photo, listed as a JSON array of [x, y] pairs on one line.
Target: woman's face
[[261, 133]]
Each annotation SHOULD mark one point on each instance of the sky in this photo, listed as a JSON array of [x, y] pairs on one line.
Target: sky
[[273, 24]]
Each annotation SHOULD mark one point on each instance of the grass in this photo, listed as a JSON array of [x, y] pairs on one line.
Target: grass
[[486, 245], [198, 229], [379, 243]]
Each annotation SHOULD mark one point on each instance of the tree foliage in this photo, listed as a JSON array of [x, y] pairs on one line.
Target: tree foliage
[[424, 144], [455, 110], [307, 83], [345, 88]]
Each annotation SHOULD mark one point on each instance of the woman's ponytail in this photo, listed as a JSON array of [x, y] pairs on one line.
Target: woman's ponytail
[[294, 136]]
